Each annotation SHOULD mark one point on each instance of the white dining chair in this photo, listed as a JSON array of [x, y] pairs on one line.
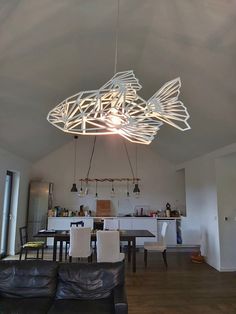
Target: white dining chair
[[108, 247], [159, 246], [111, 224], [80, 243], [73, 224]]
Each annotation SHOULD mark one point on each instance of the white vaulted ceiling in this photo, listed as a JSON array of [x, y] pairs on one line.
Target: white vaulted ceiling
[[51, 49]]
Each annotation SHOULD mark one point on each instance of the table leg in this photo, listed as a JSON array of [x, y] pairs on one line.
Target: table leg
[[134, 254], [61, 251], [54, 249], [129, 252]]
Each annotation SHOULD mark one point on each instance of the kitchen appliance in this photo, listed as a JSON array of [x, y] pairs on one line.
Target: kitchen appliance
[[40, 200]]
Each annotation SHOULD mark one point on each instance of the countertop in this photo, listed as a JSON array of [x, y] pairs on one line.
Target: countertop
[[121, 217]]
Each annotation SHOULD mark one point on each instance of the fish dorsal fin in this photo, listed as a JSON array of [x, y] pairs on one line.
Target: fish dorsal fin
[[125, 84], [164, 105], [123, 80], [126, 78]]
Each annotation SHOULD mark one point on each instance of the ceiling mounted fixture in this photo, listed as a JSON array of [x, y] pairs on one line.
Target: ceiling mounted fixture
[[116, 108]]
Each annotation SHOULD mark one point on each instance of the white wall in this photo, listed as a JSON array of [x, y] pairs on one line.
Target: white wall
[[226, 191], [206, 196], [180, 204], [21, 170], [201, 222], [158, 177]]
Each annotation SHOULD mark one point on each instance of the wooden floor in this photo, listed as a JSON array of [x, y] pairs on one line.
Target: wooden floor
[[185, 288]]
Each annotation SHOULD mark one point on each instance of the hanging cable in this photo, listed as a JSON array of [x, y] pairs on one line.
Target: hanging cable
[[117, 33], [91, 157], [127, 193], [75, 155], [127, 153], [96, 188]]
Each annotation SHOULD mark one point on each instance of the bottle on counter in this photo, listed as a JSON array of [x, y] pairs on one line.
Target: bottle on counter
[[81, 210], [168, 210], [141, 212], [50, 213]]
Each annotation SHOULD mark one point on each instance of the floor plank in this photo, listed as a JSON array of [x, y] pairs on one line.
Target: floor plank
[[183, 289]]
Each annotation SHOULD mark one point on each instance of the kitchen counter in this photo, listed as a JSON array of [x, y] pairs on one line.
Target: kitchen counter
[[143, 217], [152, 224], [119, 217]]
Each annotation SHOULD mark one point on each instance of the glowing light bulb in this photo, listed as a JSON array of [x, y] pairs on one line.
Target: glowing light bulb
[[115, 120]]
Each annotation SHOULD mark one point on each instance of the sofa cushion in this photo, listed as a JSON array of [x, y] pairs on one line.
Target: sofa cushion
[[25, 305], [89, 281], [101, 306], [28, 279]]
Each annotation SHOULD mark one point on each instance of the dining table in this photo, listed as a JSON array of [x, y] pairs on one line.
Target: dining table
[[129, 236]]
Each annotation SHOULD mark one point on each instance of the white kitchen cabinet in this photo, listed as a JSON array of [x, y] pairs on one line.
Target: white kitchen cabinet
[[191, 234], [142, 223], [171, 233], [63, 223], [126, 223], [58, 223]]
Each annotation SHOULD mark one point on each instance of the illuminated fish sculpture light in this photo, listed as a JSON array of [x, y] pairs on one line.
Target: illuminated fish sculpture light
[[116, 108]]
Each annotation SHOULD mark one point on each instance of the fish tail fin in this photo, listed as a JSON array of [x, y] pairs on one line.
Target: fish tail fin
[[164, 105]]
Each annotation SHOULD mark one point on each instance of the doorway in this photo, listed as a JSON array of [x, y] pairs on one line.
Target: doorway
[[6, 215]]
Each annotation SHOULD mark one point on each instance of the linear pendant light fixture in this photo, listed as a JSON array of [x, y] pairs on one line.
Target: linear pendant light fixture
[[116, 108]]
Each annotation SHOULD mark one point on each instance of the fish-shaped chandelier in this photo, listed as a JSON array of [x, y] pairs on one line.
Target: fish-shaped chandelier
[[116, 108]]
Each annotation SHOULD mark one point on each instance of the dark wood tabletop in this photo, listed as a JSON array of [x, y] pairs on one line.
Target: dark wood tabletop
[[123, 233]]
